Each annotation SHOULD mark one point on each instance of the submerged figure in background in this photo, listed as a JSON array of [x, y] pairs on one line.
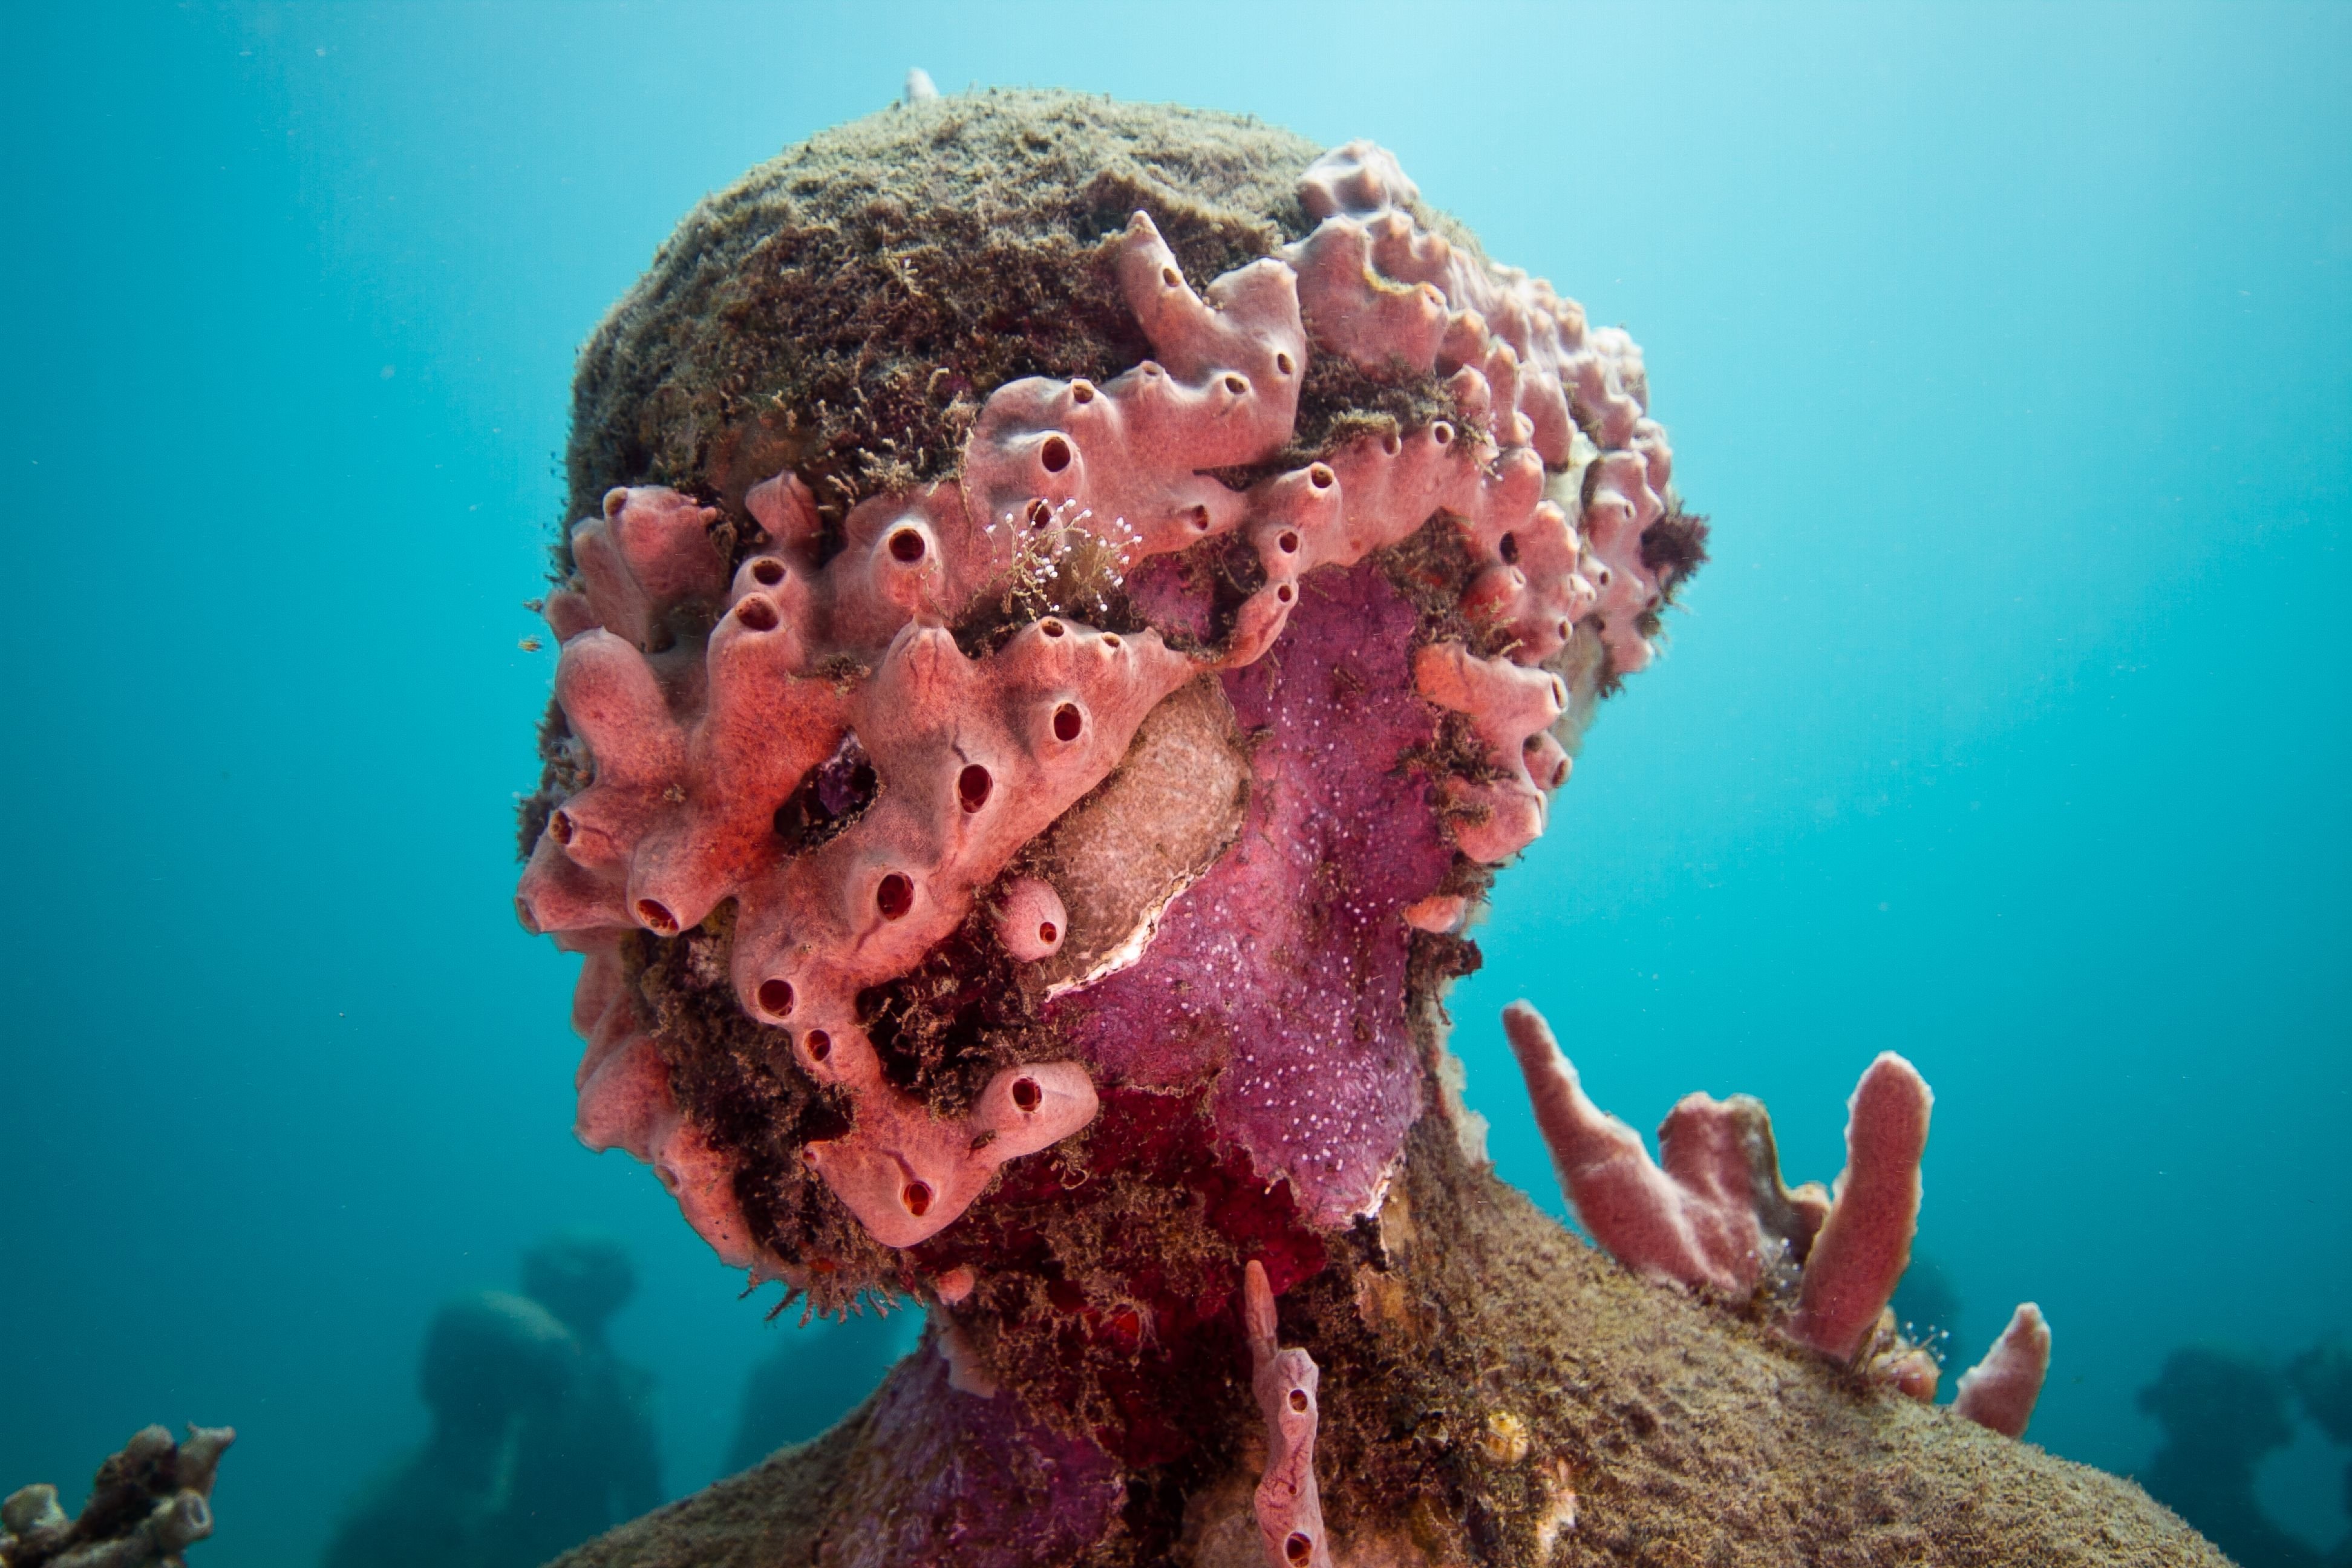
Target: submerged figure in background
[[2221, 1412], [2322, 1379], [812, 1380], [541, 1436], [589, 1461], [493, 1363]]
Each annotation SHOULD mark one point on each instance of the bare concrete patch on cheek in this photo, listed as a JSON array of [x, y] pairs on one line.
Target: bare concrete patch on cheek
[[1146, 833]]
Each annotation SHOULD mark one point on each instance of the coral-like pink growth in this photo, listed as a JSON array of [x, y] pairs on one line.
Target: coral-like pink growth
[[1031, 921], [625, 1103], [650, 553], [1865, 1242], [1378, 287], [907, 1174], [1513, 711], [1713, 1211], [700, 712], [1713, 1215], [1910, 1370], [991, 752], [1289, 1509], [1132, 452], [2000, 1391], [1440, 912], [679, 815]]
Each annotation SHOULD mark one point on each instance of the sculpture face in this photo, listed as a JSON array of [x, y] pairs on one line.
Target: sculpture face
[[1127, 787]]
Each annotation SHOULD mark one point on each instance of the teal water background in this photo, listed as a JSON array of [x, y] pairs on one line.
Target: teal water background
[[2010, 349]]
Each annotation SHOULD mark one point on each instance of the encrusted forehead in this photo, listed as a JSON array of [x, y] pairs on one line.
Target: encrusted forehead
[[1162, 746]]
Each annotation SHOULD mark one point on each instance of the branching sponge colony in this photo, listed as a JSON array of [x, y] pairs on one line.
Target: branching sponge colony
[[1712, 1213]]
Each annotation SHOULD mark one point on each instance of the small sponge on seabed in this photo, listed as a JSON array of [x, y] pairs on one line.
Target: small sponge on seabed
[[149, 1503]]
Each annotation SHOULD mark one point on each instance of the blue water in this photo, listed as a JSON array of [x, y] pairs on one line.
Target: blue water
[[2010, 350]]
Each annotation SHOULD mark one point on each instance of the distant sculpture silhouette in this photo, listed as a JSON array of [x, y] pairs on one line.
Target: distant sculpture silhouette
[[541, 1436], [2222, 1411], [2322, 1378], [589, 1461], [492, 1363]]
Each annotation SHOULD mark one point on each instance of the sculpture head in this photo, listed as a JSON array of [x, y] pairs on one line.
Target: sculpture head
[[1065, 634], [584, 1277]]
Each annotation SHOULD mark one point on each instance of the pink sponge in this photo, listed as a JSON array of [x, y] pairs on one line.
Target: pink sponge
[[905, 1173], [2000, 1391], [1289, 1507], [1513, 711], [1865, 1242], [1713, 1211], [993, 751], [1032, 919], [648, 555], [1713, 1215], [1132, 451], [625, 1103], [1377, 286]]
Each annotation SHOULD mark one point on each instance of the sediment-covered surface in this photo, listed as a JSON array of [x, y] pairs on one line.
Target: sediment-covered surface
[[1497, 1360]]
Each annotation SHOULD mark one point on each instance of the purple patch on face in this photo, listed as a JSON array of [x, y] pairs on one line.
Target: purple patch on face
[[1283, 969]]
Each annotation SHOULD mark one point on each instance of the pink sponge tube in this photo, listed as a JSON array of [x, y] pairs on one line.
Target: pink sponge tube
[[1633, 1209], [1031, 919], [625, 1098], [702, 1180], [2000, 1391], [650, 550], [907, 1175], [1865, 1242], [1512, 710], [1289, 1507]]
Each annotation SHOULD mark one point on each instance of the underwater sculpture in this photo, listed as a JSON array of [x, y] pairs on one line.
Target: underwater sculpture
[[2322, 1379], [493, 1365], [541, 1435], [2221, 1412], [149, 1503], [1073, 603]]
